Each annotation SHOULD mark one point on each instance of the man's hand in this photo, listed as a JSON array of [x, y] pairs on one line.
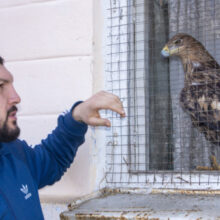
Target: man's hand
[[88, 111]]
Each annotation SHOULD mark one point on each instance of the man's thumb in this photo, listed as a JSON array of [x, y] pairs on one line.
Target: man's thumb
[[99, 122]]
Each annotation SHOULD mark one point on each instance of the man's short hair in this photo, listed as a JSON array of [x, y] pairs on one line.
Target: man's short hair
[[1, 61]]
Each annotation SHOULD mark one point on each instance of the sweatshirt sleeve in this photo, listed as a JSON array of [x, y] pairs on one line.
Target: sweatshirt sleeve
[[49, 160]]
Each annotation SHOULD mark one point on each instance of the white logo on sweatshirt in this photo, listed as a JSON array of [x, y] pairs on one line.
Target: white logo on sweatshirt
[[24, 189]]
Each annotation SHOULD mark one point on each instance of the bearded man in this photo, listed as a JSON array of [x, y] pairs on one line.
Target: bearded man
[[24, 170]]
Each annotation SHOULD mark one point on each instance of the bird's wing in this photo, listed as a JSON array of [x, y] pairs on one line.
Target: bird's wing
[[210, 76], [202, 102]]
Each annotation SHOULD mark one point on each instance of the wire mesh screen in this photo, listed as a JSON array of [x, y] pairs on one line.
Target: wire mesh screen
[[170, 135]]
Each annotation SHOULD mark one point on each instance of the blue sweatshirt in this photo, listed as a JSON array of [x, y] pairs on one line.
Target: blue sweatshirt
[[24, 170]]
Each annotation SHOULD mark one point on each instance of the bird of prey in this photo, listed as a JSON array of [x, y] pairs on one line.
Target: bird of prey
[[200, 97]]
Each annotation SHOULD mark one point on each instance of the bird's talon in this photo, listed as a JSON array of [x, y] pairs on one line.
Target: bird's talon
[[214, 165]]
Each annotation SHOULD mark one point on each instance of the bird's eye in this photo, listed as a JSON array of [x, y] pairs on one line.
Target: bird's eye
[[179, 41]]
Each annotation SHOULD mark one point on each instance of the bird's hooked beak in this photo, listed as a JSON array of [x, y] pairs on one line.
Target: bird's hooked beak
[[165, 52]]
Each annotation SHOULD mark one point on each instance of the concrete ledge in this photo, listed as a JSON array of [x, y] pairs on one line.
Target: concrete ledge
[[148, 206]]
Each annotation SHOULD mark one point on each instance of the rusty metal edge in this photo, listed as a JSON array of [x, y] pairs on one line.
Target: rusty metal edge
[[186, 191]]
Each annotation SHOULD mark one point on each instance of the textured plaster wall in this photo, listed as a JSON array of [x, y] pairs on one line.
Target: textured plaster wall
[[52, 48]]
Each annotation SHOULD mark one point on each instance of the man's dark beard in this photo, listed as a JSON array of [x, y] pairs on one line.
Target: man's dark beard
[[7, 134]]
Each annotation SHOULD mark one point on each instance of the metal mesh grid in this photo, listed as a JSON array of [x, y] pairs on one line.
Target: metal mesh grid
[[156, 143]]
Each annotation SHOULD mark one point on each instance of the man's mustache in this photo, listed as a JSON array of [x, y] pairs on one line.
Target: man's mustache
[[12, 109]]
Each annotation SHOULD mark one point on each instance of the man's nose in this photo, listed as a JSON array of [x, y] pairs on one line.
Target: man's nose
[[14, 97]]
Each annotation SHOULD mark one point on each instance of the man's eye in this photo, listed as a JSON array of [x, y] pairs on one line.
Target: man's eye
[[1, 85]]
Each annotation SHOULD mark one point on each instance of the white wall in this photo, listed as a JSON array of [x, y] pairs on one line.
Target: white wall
[[52, 48]]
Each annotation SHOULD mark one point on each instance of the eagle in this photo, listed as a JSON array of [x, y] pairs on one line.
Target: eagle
[[200, 96]]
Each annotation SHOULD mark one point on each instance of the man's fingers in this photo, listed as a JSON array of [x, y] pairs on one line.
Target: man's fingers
[[114, 98], [117, 107], [109, 101], [112, 102], [99, 122]]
